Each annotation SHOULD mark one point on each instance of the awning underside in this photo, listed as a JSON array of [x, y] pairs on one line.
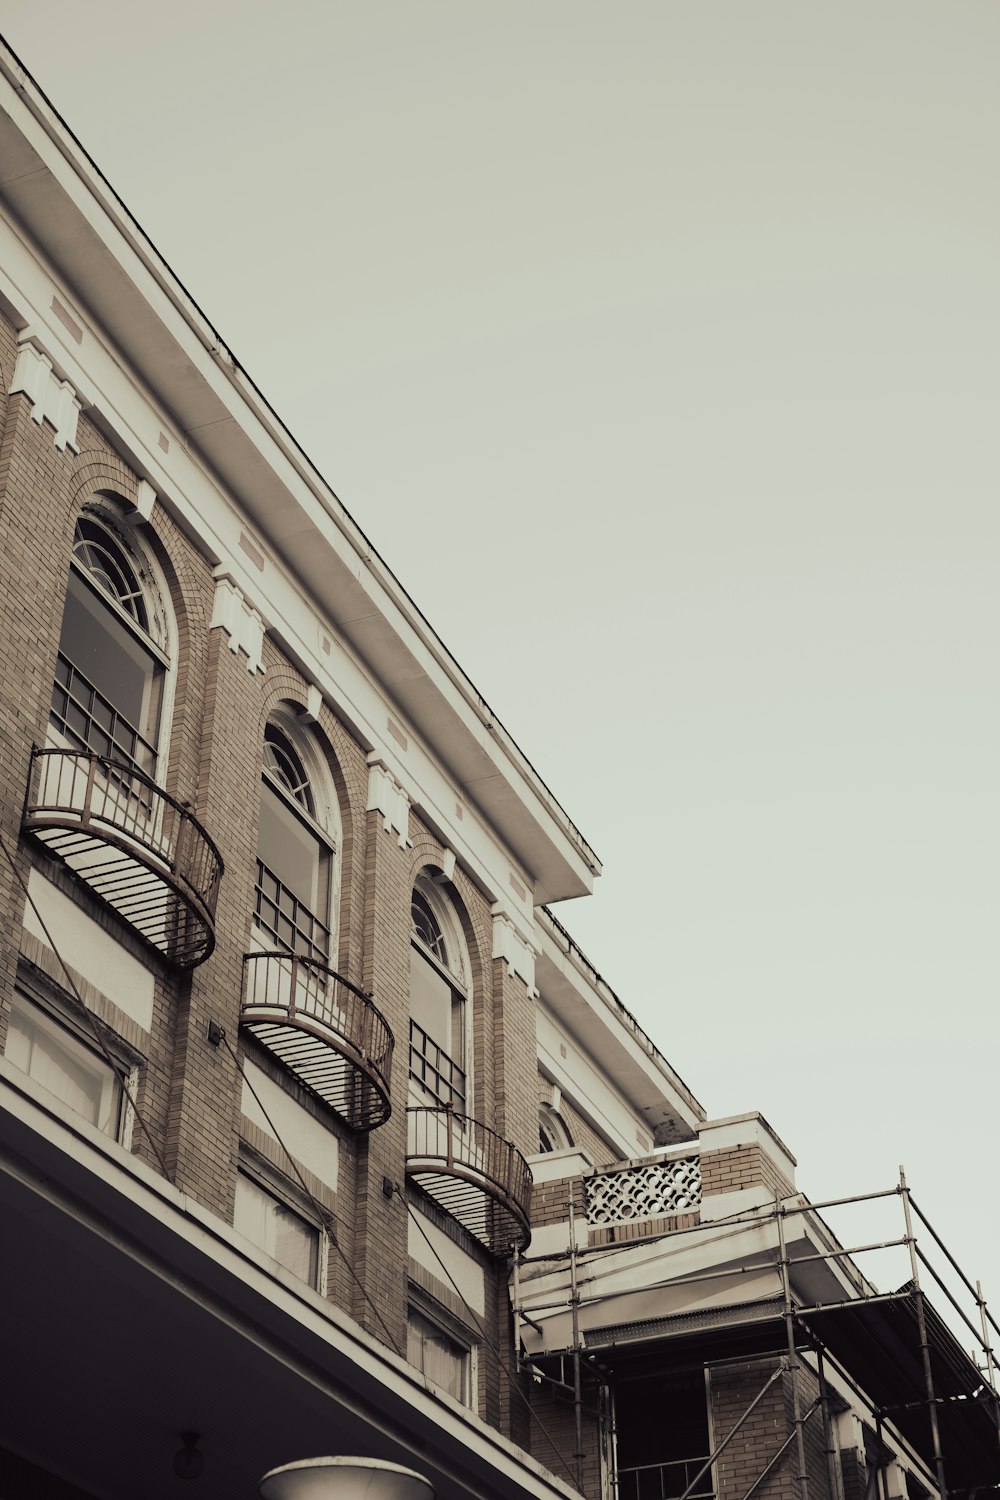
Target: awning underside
[[879, 1344]]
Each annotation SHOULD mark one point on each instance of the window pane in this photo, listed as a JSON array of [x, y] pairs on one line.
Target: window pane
[[431, 1002], [111, 658], [65, 1066], [277, 1229], [440, 1358], [289, 849]]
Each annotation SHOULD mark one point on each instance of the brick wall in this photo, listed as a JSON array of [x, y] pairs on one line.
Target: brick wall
[[188, 1088], [738, 1167], [732, 1389]]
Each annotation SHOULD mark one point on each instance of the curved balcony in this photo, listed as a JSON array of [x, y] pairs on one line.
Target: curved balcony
[[324, 1030], [138, 849], [473, 1174]]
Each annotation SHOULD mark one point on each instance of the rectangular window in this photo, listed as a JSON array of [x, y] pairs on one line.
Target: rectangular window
[[58, 1060], [277, 1229], [439, 1357]]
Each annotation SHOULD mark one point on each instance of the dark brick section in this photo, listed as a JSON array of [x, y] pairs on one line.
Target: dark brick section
[[733, 1388]]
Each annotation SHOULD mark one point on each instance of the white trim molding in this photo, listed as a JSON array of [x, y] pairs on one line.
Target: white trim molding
[[385, 795], [50, 397], [232, 613], [517, 952]]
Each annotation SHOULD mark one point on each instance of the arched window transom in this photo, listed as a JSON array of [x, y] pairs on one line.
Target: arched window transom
[[439, 1009], [296, 844], [111, 671]]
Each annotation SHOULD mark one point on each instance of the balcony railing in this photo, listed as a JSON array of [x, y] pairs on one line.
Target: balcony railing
[[142, 853], [325, 1031], [473, 1174], [635, 1194], [667, 1481]]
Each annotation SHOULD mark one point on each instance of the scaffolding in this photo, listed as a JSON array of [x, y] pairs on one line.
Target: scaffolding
[[937, 1405]]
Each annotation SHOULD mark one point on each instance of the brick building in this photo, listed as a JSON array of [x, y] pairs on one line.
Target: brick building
[[288, 1026]]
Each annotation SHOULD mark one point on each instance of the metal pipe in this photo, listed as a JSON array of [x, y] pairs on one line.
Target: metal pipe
[[789, 1440], [836, 1478], [880, 1468], [966, 1320], [925, 1350], [990, 1375], [786, 1287], [775, 1375], [949, 1257], [574, 1302]]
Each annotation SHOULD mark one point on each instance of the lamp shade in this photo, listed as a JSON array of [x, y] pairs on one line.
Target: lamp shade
[[344, 1479]]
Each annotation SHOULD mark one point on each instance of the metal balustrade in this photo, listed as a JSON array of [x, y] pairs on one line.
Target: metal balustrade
[[667, 1481], [324, 1030], [472, 1173], [134, 846]]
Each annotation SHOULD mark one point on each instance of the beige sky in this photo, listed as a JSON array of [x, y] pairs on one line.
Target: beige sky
[[655, 347]]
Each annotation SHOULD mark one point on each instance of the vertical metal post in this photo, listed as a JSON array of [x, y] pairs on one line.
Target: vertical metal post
[[988, 1351], [883, 1484], [793, 1364], [832, 1455], [574, 1301], [925, 1350]]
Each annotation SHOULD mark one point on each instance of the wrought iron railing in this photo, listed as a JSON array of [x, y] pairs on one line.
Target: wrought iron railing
[[324, 1029], [475, 1175], [434, 1070], [142, 852], [667, 1481]]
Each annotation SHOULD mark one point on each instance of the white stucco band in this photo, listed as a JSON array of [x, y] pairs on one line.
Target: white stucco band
[[293, 1127], [90, 950], [441, 1257], [385, 795], [232, 613], [515, 950], [50, 397]]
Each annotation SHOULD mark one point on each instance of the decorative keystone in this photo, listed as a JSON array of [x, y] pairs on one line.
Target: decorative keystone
[[232, 613], [515, 949], [385, 795], [52, 399]]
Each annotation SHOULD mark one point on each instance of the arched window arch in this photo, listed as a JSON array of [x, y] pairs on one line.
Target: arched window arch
[[112, 672], [440, 991], [552, 1132], [298, 842]]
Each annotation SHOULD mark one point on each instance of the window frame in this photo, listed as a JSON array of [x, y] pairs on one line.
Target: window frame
[[445, 1324], [321, 821], [456, 973], [61, 1013], [156, 639], [268, 1180]]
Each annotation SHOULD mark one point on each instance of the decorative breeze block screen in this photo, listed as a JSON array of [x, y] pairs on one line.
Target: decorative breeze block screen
[[668, 1187]]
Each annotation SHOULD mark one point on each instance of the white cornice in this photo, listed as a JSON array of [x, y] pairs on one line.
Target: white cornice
[[188, 392]]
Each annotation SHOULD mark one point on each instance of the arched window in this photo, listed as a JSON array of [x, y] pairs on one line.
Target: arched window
[[552, 1132], [439, 994], [108, 694], [297, 843]]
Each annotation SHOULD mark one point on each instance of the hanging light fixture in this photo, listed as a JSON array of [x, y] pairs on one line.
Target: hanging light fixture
[[344, 1479]]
